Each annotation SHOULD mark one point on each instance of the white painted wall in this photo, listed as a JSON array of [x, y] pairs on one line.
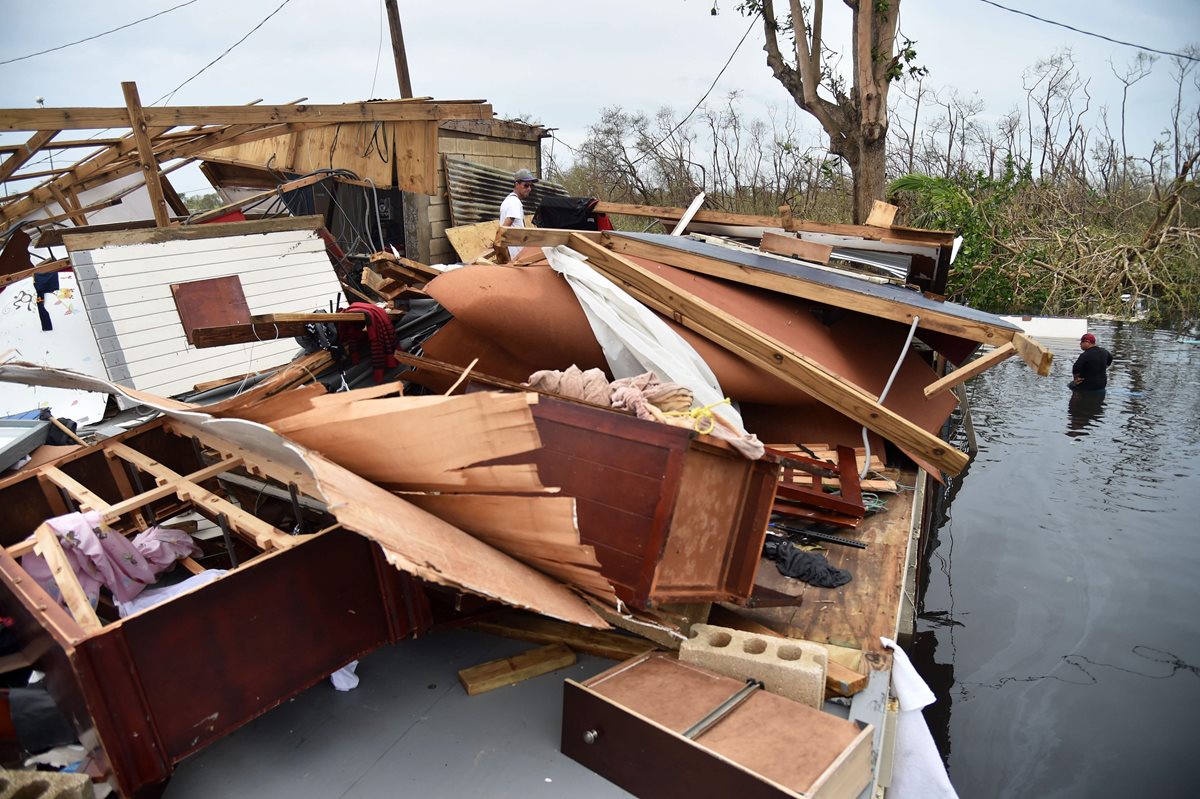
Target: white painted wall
[[137, 329]]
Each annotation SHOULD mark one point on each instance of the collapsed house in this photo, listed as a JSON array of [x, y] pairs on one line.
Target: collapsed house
[[609, 431]]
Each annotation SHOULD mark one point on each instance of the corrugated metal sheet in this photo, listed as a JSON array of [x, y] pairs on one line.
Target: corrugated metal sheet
[[127, 293], [476, 191]]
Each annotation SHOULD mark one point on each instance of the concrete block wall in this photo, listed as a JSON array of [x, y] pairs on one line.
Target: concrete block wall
[[44, 785], [506, 154], [795, 669]]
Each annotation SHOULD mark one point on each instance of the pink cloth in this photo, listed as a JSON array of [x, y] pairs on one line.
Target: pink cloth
[[110, 559]]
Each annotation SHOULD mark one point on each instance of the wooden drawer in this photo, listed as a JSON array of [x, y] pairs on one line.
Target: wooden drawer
[[627, 725]]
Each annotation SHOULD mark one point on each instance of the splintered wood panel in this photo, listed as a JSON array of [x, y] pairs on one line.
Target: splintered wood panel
[[210, 303], [857, 613], [141, 338]]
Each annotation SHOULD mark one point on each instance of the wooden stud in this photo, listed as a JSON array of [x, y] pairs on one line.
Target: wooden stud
[[518, 668], [168, 488], [72, 592], [977, 366], [291, 185], [775, 357], [141, 134], [71, 209]]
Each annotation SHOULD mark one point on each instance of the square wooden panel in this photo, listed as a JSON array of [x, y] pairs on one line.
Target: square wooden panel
[[210, 303]]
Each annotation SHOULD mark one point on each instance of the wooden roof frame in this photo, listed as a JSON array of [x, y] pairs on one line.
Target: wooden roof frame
[[159, 135]]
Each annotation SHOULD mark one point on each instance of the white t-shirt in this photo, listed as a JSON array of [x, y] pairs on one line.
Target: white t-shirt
[[512, 209]]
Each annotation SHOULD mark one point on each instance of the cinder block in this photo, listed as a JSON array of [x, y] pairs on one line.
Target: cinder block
[[44, 785], [795, 669]]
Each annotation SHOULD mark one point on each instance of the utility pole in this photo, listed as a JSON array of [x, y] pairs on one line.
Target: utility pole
[[398, 49]]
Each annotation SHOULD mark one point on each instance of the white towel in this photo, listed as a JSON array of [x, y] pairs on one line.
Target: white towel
[[917, 769]]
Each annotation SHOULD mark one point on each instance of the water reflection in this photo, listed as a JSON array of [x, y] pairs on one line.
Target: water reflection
[[1085, 409]]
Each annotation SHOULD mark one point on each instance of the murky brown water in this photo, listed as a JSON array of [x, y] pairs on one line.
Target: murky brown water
[[1060, 619]]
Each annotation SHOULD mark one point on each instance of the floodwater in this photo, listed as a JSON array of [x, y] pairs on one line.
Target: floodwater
[[1060, 607]]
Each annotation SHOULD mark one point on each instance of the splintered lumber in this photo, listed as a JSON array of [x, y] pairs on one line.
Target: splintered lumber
[[79, 492], [540, 630], [771, 355], [782, 244], [518, 668], [403, 269], [1038, 357], [977, 366], [472, 241], [72, 592]]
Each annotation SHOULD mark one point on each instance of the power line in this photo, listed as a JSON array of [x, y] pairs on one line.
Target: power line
[[699, 102], [1089, 33], [98, 35], [171, 93]]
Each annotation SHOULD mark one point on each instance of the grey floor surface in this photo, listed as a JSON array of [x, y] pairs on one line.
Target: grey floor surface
[[409, 729]]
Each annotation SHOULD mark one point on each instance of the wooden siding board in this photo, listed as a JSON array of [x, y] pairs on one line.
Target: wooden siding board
[[126, 290]]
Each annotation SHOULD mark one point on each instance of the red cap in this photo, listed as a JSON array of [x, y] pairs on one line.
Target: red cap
[[1089, 338]]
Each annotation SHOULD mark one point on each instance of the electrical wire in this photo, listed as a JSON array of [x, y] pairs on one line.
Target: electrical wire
[[1184, 56], [912, 330], [378, 53], [171, 93], [728, 61], [98, 35]]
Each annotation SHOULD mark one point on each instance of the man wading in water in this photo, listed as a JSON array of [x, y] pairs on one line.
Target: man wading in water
[[1090, 372]]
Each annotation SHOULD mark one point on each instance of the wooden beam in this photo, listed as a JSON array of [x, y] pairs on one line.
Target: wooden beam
[[72, 592], [79, 492], [69, 206], [267, 327], [884, 308], [518, 668], [24, 152], [1038, 357], [907, 235], [977, 366], [263, 534], [789, 245], [773, 356], [49, 220], [44, 119], [540, 630], [167, 488], [137, 121], [49, 266], [398, 52]]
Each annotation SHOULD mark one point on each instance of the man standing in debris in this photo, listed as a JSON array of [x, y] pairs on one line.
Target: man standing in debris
[[1090, 372], [512, 211]]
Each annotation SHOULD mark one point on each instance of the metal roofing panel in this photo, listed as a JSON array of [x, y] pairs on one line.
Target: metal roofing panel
[[476, 191]]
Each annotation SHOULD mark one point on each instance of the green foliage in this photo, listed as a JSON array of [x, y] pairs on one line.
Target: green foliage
[[202, 202]]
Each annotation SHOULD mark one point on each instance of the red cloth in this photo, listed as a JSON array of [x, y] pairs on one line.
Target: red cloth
[[378, 338]]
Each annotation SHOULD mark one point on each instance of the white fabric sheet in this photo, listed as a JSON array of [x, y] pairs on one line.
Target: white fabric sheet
[[917, 770]]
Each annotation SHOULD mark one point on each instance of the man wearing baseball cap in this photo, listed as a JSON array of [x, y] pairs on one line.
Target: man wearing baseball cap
[[512, 210], [1090, 372]]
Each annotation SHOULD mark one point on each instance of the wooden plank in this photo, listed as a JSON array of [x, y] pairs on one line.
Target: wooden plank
[[540, 236], [789, 245], [767, 353], [933, 238], [72, 592], [882, 214], [977, 366], [146, 157], [91, 241], [518, 668], [69, 207], [473, 241], [180, 116], [540, 630], [78, 491], [23, 152], [884, 308], [279, 191], [1038, 357]]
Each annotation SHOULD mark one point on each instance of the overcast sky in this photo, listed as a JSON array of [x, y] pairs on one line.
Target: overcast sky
[[559, 62]]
